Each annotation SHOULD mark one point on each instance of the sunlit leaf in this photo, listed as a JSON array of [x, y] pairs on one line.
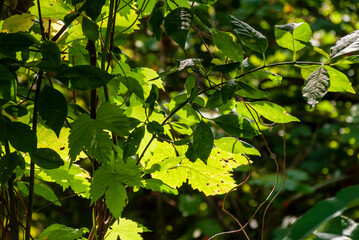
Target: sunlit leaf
[[291, 35], [125, 229], [157, 185], [316, 86], [235, 146], [339, 82], [61, 232], [18, 23], [347, 44], [268, 110]]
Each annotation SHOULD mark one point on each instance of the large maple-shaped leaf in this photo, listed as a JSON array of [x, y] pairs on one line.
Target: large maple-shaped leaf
[[88, 133], [212, 178], [125, 229], [111, 182], [74, 177]]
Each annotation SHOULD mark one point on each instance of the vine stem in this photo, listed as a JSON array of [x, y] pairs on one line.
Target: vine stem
[[32, 164], [14, 224], [220, 84], [263, 67]]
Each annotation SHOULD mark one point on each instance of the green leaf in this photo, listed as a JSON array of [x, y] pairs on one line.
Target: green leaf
[[133, 85], [228, 90], [18, 23], [316, 86], [194, 94], [47, 193], [203, 141], [16, 111], [78, 55], [182, 128], [49, 8], [90, 30], [88, 133], [291, 35], [347, 44], [155, 128], [61, 232], [248, 91], [15, 42], [190, 84], [8, 163], [338, 227], [100, 182], [158, 186], [212, 178], [84, 77], [125, 230], [215, 100], [8, 84], [100, 146], [46, 158], [112, 117], [74, 177], [111, 182], [207, 2], [51, 56], [156, 19], [235, 146], [228, 47], [116, 197], [152, 98], [203, 17], [235, 126], [133, 142], [21, 136], [52, 108], [249, 36], [226, 67], [323, 211], [268, 110], [339, 82], [93, 8], [177, 24], [81, 134]]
